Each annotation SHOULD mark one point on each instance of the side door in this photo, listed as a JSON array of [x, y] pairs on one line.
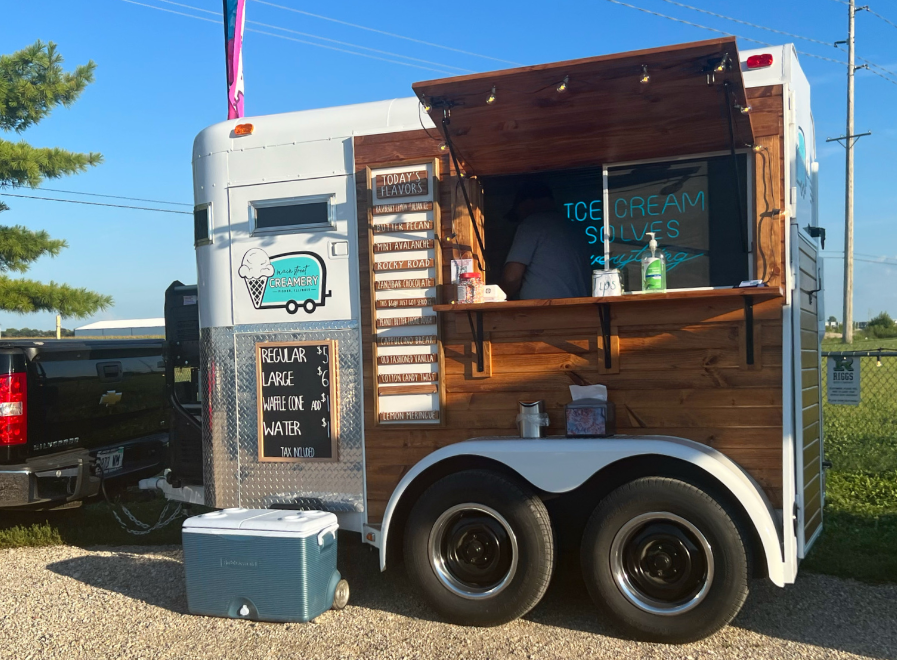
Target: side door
[[808, 329]]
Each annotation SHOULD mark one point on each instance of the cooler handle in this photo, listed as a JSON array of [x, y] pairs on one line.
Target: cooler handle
[[328, 530]]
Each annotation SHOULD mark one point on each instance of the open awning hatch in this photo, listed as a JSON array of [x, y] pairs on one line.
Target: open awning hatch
[[605, 112]]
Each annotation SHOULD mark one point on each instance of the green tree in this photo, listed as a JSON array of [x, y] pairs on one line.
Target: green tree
[[32, 84], [881, 327]]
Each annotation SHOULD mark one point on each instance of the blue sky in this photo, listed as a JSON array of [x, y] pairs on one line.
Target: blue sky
[[160, 80]]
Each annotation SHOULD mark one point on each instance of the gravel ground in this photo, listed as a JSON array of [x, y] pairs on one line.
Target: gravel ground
[[65, 602]]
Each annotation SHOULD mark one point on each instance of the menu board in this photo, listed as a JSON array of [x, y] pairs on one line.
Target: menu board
[[298, 411], [405, 273]]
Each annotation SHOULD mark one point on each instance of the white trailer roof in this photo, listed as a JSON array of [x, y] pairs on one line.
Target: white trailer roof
[[124, 323]]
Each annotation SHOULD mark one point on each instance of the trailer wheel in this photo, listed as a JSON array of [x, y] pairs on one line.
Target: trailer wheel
[[309, 306], [292, 307], [480, 548], [665, 561]]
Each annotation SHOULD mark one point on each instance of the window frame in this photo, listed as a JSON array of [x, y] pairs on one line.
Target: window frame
[[748, 201], [208, 240], [254, 204]]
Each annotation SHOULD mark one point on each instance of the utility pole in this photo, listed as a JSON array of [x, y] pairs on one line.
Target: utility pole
[[849, 141]]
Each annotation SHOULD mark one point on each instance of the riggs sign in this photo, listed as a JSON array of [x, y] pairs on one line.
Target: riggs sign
[[843, 380]]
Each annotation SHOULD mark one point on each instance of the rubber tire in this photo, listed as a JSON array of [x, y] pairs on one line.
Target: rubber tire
[[528, 518], [728, 590]]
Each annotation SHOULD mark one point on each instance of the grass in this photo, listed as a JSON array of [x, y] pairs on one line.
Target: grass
[[859, 344], [860, 518], [89, 525]]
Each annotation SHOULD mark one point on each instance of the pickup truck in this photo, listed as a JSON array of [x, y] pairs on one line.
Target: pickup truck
[[74, 412]]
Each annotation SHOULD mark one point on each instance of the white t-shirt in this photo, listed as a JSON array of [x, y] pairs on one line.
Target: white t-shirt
[[555, 255]]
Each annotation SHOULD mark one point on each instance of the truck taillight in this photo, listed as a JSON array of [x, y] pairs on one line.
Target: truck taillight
[[759, 61], [13, 409]]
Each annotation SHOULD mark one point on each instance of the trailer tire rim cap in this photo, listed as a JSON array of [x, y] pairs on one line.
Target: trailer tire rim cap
[[662, 563], [473, 551]]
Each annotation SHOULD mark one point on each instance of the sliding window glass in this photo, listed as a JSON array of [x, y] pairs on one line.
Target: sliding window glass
[[698, 212]]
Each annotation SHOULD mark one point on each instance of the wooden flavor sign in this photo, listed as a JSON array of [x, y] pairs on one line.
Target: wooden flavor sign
[[429, 377], [404, 246], [397, 321], [405, 264], [414, 283], [409, 340], [402, 184], [410, 416], [414, 358], [398, 303], [298, 408], [390, 227], [407, 207]]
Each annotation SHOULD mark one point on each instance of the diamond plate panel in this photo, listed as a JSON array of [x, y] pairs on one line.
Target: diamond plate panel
[[233, 474]]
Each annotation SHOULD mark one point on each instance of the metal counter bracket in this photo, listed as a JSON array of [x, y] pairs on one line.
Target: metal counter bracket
[[478, 339], [749, 329], [604, 318]]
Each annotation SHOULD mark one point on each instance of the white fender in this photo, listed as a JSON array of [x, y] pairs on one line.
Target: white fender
[[561, 465]]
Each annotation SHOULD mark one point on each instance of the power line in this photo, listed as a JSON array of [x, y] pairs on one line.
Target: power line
[[78, 201], [280, 36], [728, 34], [753, 25], [132, 199], [388, 34], [891, 23], [315, 36]]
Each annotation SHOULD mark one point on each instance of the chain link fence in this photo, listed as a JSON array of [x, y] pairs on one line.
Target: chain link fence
[[863, 438]]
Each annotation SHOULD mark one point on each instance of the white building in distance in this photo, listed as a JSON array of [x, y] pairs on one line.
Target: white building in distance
[[125, 327]]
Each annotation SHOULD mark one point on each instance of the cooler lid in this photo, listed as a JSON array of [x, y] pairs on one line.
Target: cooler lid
[[301, 523]]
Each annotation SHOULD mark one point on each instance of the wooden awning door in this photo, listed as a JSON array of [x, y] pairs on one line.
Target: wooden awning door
[[605, 112]]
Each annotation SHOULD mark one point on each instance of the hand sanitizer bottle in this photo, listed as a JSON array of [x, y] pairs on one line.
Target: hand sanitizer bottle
[[654, 268]]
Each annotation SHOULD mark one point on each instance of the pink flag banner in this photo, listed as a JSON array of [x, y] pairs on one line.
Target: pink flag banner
[[234, 20]]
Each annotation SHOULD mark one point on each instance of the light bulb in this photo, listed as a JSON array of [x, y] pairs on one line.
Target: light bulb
[[491, 98], [562, 87], [645, 78], [443, 146], [878, 361], [427, 106]]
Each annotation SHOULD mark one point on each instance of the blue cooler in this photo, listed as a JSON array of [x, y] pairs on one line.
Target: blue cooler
[[262, 564]]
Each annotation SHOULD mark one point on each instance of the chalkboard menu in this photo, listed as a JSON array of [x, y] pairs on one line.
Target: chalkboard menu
[[297, 401]]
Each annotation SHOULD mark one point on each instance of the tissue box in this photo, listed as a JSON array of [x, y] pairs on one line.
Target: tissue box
[[258, 564], [590, 418]]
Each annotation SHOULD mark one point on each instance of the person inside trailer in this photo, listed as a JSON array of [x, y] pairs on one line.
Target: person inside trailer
[[547, 258]]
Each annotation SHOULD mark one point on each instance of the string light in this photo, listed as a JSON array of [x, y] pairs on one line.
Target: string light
[[745, 109], [443, 146], [721, 65], [491, 98], [562, 87], [645, 78], [426, 105]]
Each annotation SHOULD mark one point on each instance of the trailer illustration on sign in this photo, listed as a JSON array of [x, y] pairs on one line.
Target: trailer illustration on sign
[[285, 281]]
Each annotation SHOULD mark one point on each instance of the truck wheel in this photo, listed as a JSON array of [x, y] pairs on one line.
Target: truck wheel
[[665, 561], [292, 307], [480, 548], [309, 306]]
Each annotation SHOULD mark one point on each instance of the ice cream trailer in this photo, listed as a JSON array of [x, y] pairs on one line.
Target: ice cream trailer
[[340, 372]]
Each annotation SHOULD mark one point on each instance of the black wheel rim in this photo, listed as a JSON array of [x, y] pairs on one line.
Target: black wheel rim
[[662, 563], [473, 551]]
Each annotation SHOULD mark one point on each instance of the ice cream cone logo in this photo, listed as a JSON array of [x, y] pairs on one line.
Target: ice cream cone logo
[[255, 271]]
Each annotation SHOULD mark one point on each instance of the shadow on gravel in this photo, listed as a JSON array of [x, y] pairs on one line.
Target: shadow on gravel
[[154, 580], [827, 612]]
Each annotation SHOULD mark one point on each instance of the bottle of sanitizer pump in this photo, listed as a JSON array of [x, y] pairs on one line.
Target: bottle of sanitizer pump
[[654, 268]]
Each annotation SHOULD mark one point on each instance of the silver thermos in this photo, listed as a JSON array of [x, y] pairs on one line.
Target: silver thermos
[[531, 417]]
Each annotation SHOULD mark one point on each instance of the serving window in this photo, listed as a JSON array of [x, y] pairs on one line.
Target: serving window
[[697, 209]]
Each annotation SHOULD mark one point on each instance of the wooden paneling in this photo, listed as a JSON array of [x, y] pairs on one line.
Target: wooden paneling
[[767, 119], [681, 363], [606, 114]]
